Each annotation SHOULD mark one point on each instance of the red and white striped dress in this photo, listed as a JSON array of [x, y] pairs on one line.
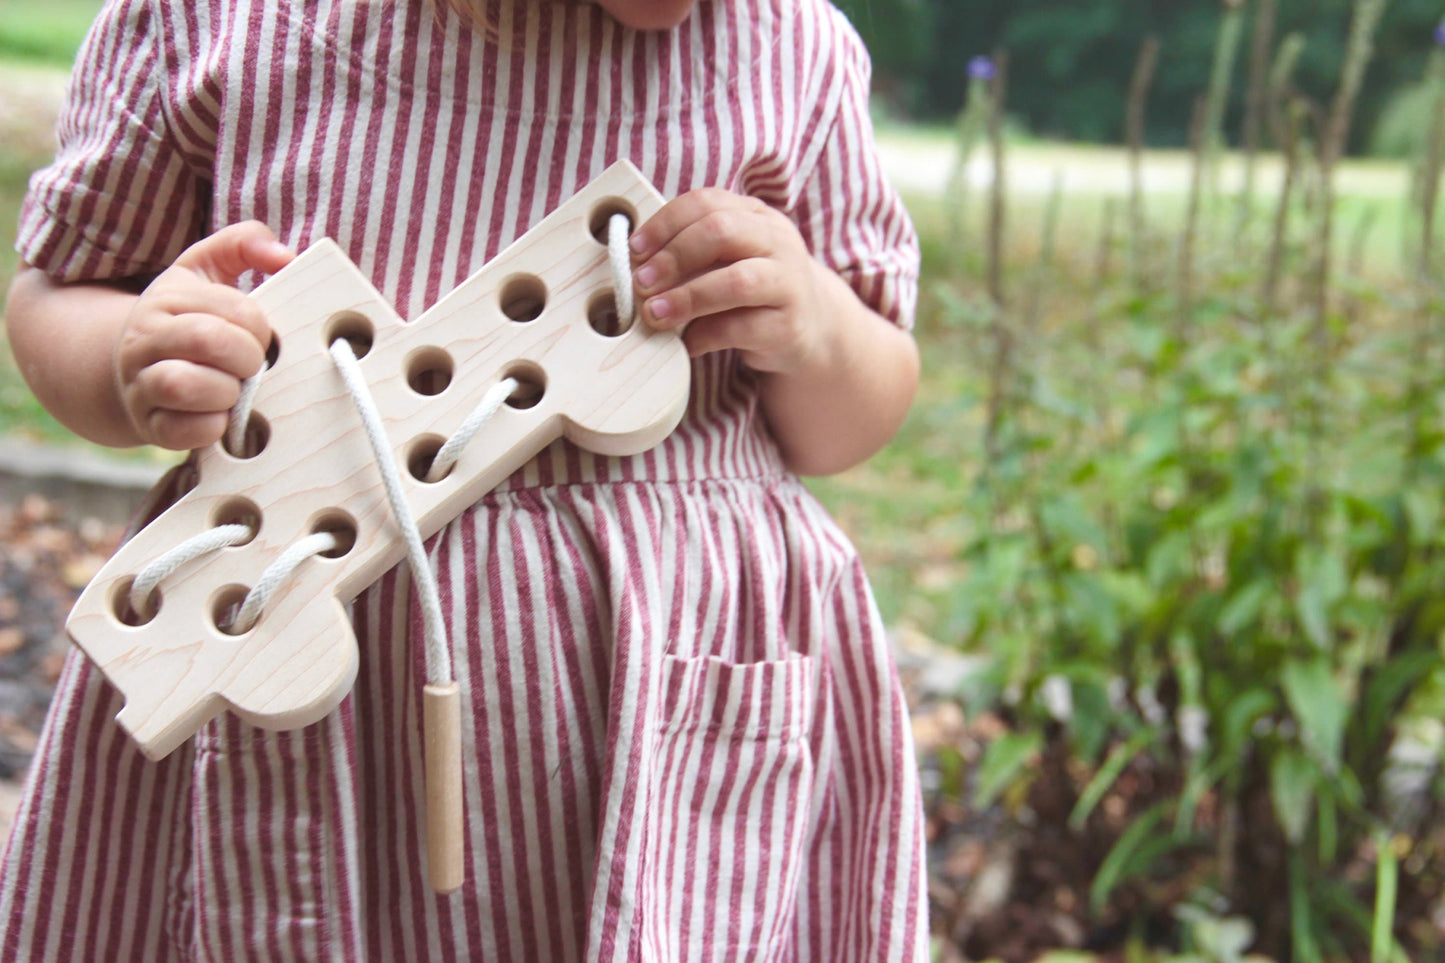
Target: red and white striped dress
[[685, 737]]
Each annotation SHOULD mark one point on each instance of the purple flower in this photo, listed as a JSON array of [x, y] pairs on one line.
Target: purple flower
[[1440, 33], [981, 67]]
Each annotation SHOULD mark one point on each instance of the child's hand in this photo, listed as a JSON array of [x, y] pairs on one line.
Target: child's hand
[[192, 337], [737, 273]]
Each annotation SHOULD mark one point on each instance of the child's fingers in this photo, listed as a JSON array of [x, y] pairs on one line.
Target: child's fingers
[[752, 283], [733, 329], [721, 237], [239, 311], [232, 251], [681, 213], [181, 405], [200, 338], [181, 386], [183, 431]]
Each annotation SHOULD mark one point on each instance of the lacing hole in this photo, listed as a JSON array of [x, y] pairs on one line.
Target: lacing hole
[[531, 386], [524, 297], [125, 613], [354, 328], [238, 511], [601, 215], [253, 441], [225, 606], [273, 351], [340, 525], [421, 455], [602, 315], [429, 371]]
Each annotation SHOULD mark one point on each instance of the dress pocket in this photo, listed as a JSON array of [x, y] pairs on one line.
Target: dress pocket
[[729, 811]]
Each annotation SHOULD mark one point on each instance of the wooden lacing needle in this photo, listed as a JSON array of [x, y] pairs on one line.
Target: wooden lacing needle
[[445, 812]]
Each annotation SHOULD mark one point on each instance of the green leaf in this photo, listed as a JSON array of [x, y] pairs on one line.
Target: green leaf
[[1292, 778], [1387, 878], [1301, 922], [1318, 703], [1237, 722], [1092, 719], [1130, 592], [1386, 690], [1323, 569], [1221, 939], [1309, 606], [1138, 848], [1422, 507], [1184, 653], [1327, 812], [1170, 559], [1007, 562], [1322, 580], [1244, 606], [1091, 609], [1156, 438], [1119, 758], [1002, 762]]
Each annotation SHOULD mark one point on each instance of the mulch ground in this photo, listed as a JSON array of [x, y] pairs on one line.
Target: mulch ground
[[47, 559]]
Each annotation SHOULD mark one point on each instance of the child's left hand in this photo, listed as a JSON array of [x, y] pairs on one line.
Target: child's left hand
[[737, 273]]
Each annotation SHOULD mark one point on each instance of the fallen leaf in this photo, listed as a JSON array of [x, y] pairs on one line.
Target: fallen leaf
[[80, 570]]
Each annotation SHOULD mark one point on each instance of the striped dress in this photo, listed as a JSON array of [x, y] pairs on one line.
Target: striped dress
[[685, 739]]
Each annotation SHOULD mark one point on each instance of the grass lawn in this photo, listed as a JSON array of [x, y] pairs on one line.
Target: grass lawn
[[44, 31]]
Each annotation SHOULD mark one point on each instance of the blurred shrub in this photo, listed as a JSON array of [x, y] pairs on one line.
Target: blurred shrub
[[1404, 125], [1213, 550]]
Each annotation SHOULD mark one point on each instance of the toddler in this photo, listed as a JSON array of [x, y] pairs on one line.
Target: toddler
[[684, 737]]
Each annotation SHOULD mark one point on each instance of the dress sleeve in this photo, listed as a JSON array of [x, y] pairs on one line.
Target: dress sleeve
[[848, 212], [119, 199]]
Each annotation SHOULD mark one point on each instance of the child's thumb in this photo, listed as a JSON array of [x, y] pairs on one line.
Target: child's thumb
[[235, 249]]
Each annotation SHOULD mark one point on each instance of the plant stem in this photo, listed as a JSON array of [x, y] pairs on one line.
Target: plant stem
[[1387, 878], [1034, 309], [1226, 50], [971, 127], [1254, 102], [1198, 135], [1139, 86], [1427, 195], [1284, 120], [1356, 266], [1001, 384], [1358, 52]]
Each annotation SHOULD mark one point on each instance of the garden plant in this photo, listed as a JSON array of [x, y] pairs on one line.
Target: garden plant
[[1197, 539]]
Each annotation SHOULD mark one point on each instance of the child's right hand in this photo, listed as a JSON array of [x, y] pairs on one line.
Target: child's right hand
[[192, 337]]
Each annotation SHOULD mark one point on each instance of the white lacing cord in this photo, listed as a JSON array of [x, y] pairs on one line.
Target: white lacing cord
[[619, 259], [241, 412], [203, 543], [446, 456], [438, 661], [276, 574]]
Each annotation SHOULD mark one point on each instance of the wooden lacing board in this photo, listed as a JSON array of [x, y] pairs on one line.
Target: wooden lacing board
[[542, 312]]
